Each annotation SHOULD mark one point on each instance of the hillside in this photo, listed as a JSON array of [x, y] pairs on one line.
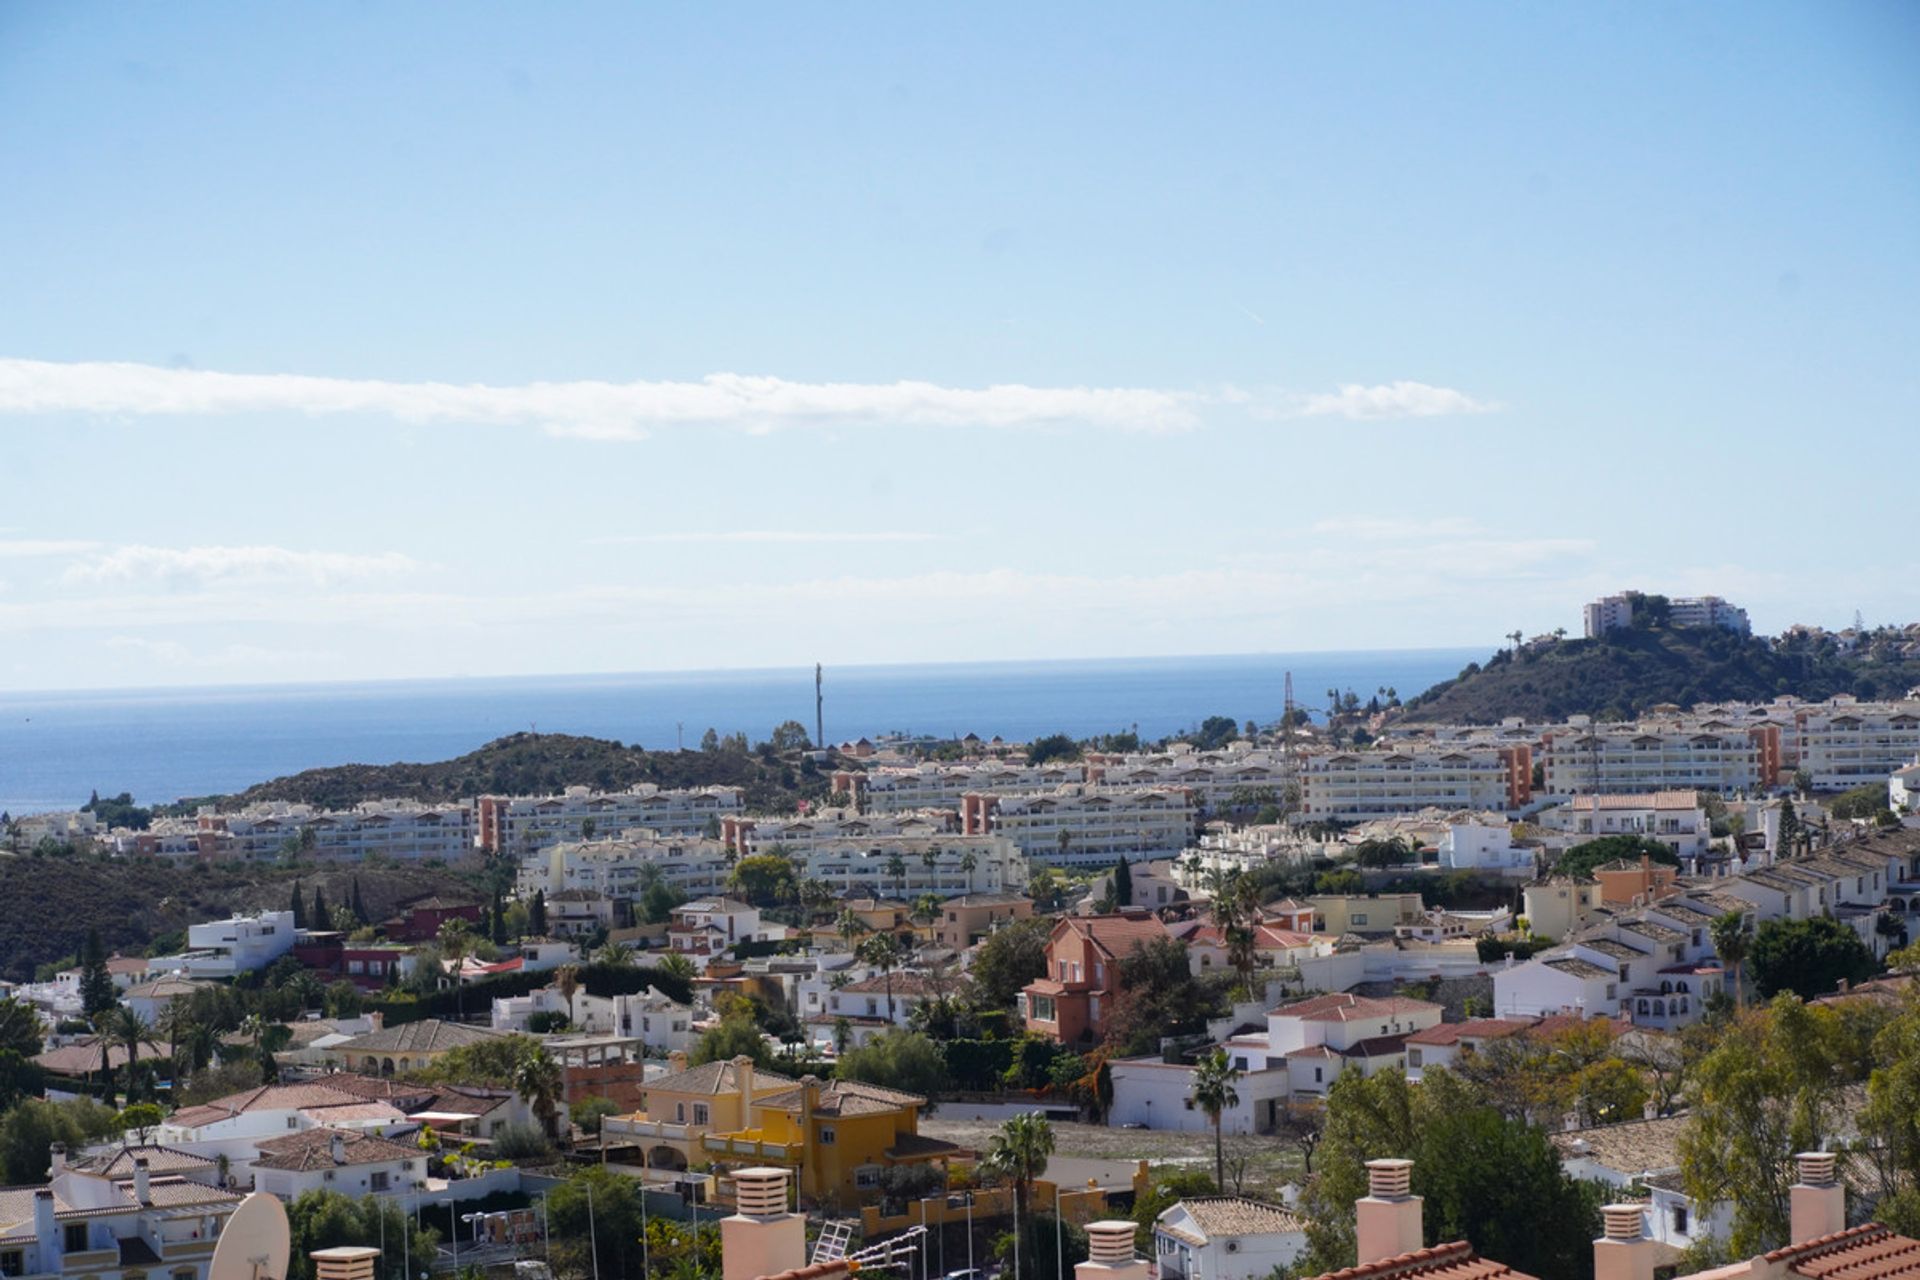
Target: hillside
[[47, 903], [538, 764], [1621, 676]]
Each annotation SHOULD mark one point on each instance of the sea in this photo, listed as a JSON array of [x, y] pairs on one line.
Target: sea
[[165, 744]]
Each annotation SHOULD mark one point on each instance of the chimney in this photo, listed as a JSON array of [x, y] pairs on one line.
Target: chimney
[[46, 1229], [57, 1153], [142, 1183], [743, 1073], [762, 1238], [1624, 1252], [1110, 1253], [1819, 1203], [377, 1020], [677, 1060], [337, 1143], [1387, 1218]]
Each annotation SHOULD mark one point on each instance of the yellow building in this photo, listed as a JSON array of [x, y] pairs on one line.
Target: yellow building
[[838, 1135], [680, 1109]]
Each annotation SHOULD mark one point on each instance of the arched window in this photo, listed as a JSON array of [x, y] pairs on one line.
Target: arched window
[[1659, 1008]]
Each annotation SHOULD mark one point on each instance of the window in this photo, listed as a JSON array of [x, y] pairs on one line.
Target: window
[[293, 1122], [700, 1113], [76, 1237], [1679, 1219], [1318, 1075], [868, 1177], [377, 1182], [1413, 1058], [1359, 917], [13, 1262], [680, 1112], [826, 1135]]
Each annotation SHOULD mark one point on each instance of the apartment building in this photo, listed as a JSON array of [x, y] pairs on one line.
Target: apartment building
[[1615, 613], [518, 825], [156, 1213], [236, 945], [1214, 778], [941, 786], [908, 867], [621, 868], [1086, 826], [796, 835], [1354, 786], [1845, 744], [400, 829], [1707, 755], [1608, 613]]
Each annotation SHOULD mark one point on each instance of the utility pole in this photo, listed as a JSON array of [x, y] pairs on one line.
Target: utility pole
[[819, 708]]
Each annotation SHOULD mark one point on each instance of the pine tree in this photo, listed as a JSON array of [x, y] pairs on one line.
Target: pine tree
[[359, 907], [299, 908], [321, 917], [1122, 884], [96, 984], [537, 914], [497, 921]]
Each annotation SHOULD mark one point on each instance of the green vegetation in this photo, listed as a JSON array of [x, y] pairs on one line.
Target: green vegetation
[[1807, 957], [536, 764], [1628, 672], [904, 1060], [1582, 858]]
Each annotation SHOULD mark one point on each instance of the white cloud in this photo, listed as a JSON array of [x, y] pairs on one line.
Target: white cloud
[[763, 536], [1392, 400], [182, 566], [589, 410], [33, 548], [1388, 528], [597, 410]]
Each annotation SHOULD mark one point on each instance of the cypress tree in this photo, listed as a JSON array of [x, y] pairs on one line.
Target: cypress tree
[[537, 914], [321, 918], [497, 921], [299, 908], [1122, 884], [96, 984], [359, 907]]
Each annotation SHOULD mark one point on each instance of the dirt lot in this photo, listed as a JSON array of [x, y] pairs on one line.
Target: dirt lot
[[1268, 1162]]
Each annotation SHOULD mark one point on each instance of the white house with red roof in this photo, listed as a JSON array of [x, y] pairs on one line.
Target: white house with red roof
[[1446, 1043], [1317, 1038]]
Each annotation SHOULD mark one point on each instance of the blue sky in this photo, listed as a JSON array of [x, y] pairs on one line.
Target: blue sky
[[346, 342]]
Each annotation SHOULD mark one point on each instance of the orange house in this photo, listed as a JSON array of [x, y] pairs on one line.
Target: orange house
[[1071, 1003]]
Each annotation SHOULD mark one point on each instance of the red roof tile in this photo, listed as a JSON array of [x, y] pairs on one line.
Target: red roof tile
[[1456, 1261]]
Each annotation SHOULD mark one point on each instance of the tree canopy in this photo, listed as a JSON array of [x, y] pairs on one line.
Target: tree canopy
[[1807, 957], [1582, 858]]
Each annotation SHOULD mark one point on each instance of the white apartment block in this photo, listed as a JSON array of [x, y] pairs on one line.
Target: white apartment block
[[1087, 826], [1634, 759], [1676, 818], [398, 829], [1903, 789], [1613, 613], [948, 866], [655, 1020], [1353, 786], [30, 829], [620, 868], [796, 835], [941, 786], [1609, 613], [1845, 744], [517, 825]]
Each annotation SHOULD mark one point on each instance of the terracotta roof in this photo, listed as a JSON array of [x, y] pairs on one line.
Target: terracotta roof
[[918, 1146], [1346, 1007], [118, 1163], [1632, 1147], [1471, 1029], [1117, 935], [83, 1056], [430, 1035], [1219, 1216], [1456, 1261], [272, 1097], [845, 1098], [313, 1149], [714, 1078], [1869, 1252], [1644, 800], [904, 984]]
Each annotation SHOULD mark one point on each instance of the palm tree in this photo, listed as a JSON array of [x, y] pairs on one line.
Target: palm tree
[[897, 868], [455, 941], [882, 951], [930, 858], [926, 908], [536, 1077], [676, 964], [1731, 941], [1018, 1153], [968, 862], [1213, 1078], [566, 980], [617, 955], [815, 894], [849, 926], [121, 1027]]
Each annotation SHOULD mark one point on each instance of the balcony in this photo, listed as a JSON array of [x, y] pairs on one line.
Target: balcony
[[752, 1144], [658, 1130]]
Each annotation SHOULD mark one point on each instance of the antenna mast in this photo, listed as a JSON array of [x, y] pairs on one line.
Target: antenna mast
[[819, 708]]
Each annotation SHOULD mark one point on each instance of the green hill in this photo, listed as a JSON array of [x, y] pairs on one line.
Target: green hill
[[47, 902], [1627, 672], [537, 764]]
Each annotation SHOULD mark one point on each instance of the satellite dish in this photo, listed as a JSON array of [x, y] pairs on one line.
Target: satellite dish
[[255, 1242]]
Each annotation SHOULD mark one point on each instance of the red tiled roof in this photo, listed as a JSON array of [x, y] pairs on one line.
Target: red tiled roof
[[1869, 1252], [1118, 935], [1471, 1029], [1345, 1007], [1456, 1261]]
